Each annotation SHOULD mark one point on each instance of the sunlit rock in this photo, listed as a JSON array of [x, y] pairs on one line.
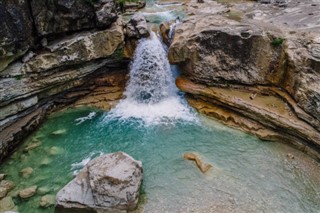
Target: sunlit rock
[[110, 182]]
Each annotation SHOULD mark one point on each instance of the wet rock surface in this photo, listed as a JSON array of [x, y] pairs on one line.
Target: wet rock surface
[[108, 183]]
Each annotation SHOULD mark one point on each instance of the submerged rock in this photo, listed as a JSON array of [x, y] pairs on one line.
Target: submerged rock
[[108, 183], [43, 190], [47, 201], [7, 204], [5, 187], [45, 162], [55, 150], [26, 172], [59, 132], [32, 146], [2, 176], [204, 167], [28, 192]]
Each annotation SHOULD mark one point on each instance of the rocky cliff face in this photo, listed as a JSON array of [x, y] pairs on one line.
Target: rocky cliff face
[[51, 54], [251, 71]]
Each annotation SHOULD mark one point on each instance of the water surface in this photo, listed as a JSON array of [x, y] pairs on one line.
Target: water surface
[[248, 175]]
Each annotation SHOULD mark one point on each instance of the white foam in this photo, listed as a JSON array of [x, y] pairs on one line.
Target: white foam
[[168, 110], [83, 119], [151, 94], [76, 167], [167, 15]]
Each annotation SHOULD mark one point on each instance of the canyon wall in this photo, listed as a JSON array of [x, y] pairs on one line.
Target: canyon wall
[[255, 67], [52, 53]]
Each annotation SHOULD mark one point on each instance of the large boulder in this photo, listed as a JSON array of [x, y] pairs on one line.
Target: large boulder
[[57, 16], [257, 50], [15, 30], [108, 183], [213, 49]]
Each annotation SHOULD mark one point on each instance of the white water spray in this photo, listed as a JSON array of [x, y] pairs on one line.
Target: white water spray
[[151, 94]]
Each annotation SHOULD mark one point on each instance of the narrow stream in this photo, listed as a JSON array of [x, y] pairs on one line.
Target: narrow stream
[[156, 126]]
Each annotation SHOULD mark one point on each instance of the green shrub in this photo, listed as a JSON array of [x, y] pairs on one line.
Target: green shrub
[[277, 41]]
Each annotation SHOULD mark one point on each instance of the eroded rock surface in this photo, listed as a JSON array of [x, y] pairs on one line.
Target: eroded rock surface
[[270, 52], [15, 30], [108, 183]]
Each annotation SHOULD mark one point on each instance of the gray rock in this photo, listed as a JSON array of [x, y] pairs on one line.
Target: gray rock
[[109, 183], [137, 27], [15, 30], [106, 13], [2, 176], [53, 17], [28, 192]]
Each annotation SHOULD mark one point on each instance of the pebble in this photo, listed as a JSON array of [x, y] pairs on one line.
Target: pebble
[[28, 192], [43, 190], [59, 132], [26, 172], [32, 146]]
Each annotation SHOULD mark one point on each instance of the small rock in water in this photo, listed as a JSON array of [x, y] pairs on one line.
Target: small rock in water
[[47, 201], [32, 146], [45, 162], [3, 192], [2, 176], [55, 150], [5, 187], [7, 205], [26, 172], [204, 167], [28, 192], [59, 132], [43, 190]]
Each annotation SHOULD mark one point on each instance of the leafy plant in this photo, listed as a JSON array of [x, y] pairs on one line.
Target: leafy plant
[[277, 41], [18, 77]]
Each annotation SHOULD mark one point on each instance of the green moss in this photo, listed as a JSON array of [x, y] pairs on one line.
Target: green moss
[[18, 77], [277, 41], [119, 53]]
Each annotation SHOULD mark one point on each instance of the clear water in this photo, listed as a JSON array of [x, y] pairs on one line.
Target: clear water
[[248, 175]]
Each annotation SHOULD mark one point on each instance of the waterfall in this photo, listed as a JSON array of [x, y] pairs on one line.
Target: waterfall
[[151, 95], [150, 77], [172, 30]]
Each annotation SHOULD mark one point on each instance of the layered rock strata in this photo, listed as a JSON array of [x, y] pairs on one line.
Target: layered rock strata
[[55, 54], [252, 73]]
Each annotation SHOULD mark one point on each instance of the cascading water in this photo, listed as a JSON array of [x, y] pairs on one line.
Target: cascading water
[[150, 76], [151, 94]]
